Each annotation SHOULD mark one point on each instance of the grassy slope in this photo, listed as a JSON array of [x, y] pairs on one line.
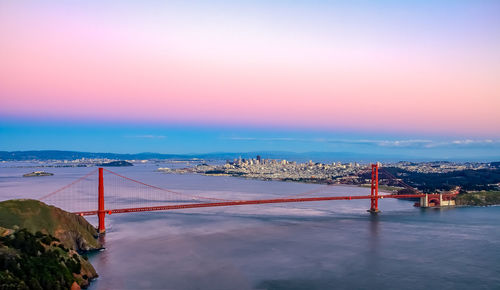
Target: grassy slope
[[480, 198], [73, 231]]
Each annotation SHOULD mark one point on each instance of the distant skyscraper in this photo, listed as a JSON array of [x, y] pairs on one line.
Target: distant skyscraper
[[258, 158]]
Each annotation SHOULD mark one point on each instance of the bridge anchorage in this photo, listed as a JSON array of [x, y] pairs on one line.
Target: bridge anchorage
[[158, 198]]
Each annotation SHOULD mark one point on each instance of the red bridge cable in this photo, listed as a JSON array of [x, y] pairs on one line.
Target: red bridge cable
[[166, 190], [69, 185], [401, 181], [312, 191]]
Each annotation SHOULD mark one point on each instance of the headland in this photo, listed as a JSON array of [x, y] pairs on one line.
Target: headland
[[43, 247]]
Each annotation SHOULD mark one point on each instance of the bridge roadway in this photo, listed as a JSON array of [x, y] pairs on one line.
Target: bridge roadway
[[257, 201]]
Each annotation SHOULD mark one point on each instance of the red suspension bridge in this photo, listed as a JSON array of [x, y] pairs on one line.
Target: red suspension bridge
[[79, 197]]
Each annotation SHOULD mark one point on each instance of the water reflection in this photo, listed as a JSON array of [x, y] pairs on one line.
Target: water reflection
[[374, 221]]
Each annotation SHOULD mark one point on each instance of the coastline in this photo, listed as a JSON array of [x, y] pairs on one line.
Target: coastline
[[483, 198]]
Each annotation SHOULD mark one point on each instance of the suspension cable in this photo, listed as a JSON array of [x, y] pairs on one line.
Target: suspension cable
[[68, 185], [400, 181], [167, 190]]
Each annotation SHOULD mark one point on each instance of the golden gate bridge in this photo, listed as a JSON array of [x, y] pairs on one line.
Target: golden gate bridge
[[79, 196]]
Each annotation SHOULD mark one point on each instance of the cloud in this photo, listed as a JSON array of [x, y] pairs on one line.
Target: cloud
[[263, 139], [403, 143], [469, 141], [147, 136], [465, 142], [385, 143]]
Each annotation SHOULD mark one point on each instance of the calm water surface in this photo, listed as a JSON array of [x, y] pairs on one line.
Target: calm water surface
[[317, 245]]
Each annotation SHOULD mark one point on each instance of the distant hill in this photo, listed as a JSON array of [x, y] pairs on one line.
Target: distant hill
[[295, 156], [116, 164], [301, 157], [71, 155]]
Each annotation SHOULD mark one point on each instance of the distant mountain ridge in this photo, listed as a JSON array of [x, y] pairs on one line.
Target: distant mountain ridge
[[72, 155], [300, 157]]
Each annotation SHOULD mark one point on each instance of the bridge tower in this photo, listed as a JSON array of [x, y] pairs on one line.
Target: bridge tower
[[100, 204], [374, 189]]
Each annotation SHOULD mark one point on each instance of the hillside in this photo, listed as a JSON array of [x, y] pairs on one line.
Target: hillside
[[479, 198], [116, 164], [73, 231], [39, 261], [40, 246]]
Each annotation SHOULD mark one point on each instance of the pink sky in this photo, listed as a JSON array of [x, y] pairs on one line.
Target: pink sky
[[327, 68]]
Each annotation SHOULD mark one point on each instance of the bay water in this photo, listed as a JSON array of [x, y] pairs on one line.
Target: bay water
[[315, 245]]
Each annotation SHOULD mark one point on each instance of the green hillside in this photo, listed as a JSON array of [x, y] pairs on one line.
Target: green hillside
[[73, 231], [39, 261], [479, 198], [40, 246]]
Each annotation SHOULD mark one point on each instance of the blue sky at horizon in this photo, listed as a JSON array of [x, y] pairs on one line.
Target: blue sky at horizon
[[19, 135]]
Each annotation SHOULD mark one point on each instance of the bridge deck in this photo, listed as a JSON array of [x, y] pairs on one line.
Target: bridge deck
[[257, 201]]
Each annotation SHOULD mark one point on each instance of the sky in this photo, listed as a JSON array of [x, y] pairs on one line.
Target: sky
[[420, 78]]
